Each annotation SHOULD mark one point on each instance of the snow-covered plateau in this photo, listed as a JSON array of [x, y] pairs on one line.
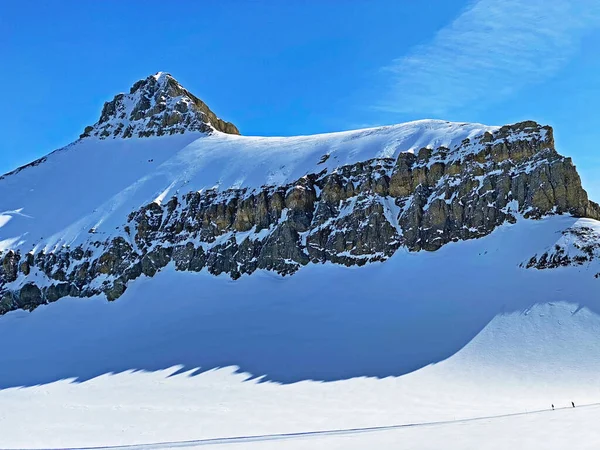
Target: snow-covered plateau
[[423, 285]]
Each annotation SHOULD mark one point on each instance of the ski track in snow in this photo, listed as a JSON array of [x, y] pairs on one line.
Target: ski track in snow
[[306, 434]]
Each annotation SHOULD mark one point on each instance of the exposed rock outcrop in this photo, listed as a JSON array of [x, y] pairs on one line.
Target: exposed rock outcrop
[[356, 214], [156, 106], [577, 246]]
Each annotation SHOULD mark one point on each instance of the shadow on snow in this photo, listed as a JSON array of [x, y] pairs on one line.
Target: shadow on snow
[[324, 323]]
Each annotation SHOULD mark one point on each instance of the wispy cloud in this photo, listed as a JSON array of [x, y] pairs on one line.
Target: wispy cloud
[[493, 49]]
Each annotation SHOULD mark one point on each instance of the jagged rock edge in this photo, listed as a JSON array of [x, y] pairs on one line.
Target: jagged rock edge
[[357, 214]]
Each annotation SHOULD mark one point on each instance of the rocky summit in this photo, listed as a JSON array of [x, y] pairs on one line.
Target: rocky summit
[[210, 200], [156, 106]]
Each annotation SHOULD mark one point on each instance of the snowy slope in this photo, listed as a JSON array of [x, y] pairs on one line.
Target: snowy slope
[[95, 184], [502, 318], [114, 206], [459, 333], [553, 430]]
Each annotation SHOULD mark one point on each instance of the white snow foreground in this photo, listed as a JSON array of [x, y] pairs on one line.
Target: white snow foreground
[[460, 333]]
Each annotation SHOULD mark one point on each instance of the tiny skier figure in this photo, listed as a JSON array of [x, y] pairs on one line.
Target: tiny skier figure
[[552, 406], [573, 404]]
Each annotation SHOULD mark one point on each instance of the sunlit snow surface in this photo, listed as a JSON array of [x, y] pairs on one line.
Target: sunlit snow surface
[[94, 184], [460, 333], [183, 358]]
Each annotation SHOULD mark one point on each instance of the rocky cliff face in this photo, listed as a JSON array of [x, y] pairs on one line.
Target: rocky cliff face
[[353, 215], [579, 245], [156, 106]]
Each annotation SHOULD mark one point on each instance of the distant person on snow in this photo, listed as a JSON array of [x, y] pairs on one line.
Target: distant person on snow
[[552, 406], [573, 404]]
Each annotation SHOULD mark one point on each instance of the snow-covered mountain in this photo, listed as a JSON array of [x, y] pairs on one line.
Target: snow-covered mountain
[[156, 106], [427, 271], [158, 180]]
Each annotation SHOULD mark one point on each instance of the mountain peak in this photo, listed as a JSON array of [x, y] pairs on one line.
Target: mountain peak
[[155, 106]]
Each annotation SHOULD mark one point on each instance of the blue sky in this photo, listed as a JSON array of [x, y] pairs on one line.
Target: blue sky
[[299, 67]]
